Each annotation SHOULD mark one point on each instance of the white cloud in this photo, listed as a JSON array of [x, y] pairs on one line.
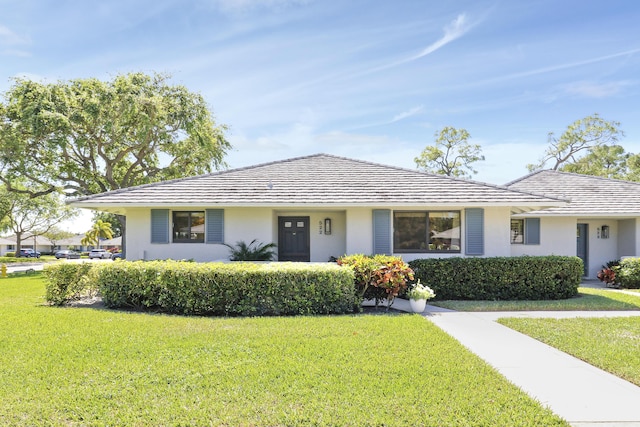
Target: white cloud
[[15, 52], [406, 114], [456, 29], [241, 6], [10, 38], [588, 89]]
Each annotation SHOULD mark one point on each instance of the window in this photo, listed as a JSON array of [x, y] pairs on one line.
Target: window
[[525, 231], [422, 231], [517, 231], [188, 227]]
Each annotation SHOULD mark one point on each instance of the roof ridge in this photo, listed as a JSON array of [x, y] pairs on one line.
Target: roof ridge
[[575, 174]]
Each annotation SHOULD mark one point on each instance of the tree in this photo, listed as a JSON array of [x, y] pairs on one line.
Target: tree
[[116, 227], [609, 161], [99, 230], [55, 234], [34, 216], [581, 136], [452, 154], [87, 136]]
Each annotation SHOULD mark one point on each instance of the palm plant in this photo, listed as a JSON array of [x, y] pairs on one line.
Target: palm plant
[[254, 251], [100, 229]]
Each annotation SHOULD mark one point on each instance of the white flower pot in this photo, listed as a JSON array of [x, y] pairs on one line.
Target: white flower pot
[[418, 306]]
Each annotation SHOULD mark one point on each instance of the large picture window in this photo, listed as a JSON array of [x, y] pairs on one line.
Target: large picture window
[[422, 231], [188, 227]]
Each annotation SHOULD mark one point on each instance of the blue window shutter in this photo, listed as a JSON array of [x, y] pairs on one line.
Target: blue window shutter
[[159, 225], [474, 235], [215, 225], [381, 232], [532, 231]]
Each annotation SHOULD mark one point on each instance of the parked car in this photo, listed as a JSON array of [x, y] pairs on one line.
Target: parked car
[[99, 253], [117, 255], [28, 253], [68, 254]]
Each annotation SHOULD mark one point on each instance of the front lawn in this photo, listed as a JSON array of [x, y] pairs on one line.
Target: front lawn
[[82, 366], [588, 299], [612, 344]]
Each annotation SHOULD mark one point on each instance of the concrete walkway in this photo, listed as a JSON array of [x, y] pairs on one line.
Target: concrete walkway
[[576, 391]]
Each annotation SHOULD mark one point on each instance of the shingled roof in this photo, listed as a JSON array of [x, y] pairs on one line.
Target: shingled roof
[[316, 180], [589, 196]]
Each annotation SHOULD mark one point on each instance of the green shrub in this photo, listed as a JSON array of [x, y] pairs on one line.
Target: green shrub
[[501, 278], [254, 251], [379, 276], [628, 273], [238, 289], [10, 254], [69, 281], [7, 259]]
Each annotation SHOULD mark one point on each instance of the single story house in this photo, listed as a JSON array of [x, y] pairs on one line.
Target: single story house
[[37, 243], [600, 223], [5, 244], [317, 207], [75, 243]]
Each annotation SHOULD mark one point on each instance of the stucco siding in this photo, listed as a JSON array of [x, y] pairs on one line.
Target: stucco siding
[[557, 237], [601, 250], [359, 223], [628, 237]]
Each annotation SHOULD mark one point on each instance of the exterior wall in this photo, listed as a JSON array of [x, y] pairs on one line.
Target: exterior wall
[[557, 237], [628, 237], [359, 239], [240, 224], [138, 240], [352, 232], [496, 236], [601, 250]]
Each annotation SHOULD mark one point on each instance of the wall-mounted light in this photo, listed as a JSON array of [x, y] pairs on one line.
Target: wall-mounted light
[[604, 232], [327, 226]]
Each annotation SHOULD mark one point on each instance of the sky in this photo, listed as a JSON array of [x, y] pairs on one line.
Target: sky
[[370, 80]]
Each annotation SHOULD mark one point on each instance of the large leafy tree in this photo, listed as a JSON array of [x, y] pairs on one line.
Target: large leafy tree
[[581, 137], [452, 154], [88, 136]]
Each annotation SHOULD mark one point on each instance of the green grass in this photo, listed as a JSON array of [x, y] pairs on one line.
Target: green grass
[[589, 299], [612, 344], [81, 366]]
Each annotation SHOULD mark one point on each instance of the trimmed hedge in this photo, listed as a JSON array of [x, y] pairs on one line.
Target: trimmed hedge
[[242, 289], [628, 273], [501, 278], [69, 281], [10, 258]]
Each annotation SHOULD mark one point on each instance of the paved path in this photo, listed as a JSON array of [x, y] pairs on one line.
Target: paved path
[[583, 395]]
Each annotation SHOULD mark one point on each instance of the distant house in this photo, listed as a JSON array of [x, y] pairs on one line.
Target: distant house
[[6, 246], [318, 207], [600, 223], [38, 243]]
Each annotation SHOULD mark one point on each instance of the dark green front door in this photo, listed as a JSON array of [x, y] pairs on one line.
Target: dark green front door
[[582, 246], [293, 238]]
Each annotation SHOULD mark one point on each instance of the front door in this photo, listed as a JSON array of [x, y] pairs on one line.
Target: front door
[[582, 247], [293, 238]]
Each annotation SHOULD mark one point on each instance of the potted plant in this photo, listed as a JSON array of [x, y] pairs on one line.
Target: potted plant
[[418, 296]]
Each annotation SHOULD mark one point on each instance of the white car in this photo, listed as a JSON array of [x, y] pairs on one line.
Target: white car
[[99, 253]]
